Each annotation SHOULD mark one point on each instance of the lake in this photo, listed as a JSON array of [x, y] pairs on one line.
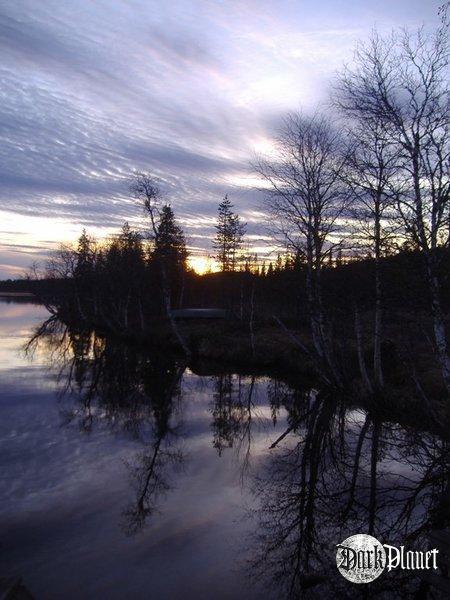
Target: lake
[[129, 474]]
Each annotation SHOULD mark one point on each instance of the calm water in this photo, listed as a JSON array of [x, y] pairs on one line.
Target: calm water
[[127, 475]]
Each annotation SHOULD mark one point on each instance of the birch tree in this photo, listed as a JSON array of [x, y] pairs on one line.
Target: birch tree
[[306, 199], [403, 81], [370, 174]]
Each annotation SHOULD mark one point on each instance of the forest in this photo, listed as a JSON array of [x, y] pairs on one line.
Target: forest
[[357, 199]]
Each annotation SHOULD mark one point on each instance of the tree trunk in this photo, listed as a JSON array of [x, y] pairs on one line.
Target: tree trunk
[[125, 311], [168, 310], [181, 298], [252, 309], [438, 321], [361, 360], [377, 338], [312, 309], [141, 313], [373, 476]]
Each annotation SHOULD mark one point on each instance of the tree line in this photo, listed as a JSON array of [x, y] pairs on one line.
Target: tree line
[[386, 166], [350, 192]]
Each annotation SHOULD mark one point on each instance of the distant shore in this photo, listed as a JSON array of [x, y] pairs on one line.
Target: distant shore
[[17, 295]]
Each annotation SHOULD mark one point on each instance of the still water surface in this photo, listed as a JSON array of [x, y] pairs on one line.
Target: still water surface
[[127, 475], [68, 482]]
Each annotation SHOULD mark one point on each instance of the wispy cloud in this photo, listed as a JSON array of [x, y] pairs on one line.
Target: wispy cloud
[[187, 89]]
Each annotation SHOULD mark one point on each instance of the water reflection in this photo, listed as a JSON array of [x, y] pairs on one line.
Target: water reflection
[[139, 393], [347, 472], [325, 469]]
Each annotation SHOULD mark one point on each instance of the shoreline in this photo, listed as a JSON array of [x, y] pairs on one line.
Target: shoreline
[[220, 347], [17, 295]]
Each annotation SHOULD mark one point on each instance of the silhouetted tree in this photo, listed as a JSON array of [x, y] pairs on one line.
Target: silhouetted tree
[[124, 271], [402, 82], [147, 192], [370, 174], [170, 249], [229, 236], [170, 244], [85, 257], [306, 199]]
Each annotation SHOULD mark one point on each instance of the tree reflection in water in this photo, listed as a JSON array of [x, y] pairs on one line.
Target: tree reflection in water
[[130, 390], [233, 415], [343, 472], [334, 471]]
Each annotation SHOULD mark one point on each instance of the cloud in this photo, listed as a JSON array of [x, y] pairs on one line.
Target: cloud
[[186, 89]]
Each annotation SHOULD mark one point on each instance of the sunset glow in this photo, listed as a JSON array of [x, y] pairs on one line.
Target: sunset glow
[[189, 94], [224, 299], [202, 264]]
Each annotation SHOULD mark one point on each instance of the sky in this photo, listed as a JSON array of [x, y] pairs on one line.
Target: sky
[[189, 91]]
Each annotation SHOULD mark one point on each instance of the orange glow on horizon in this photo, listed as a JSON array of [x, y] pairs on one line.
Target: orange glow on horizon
[[202, 264]]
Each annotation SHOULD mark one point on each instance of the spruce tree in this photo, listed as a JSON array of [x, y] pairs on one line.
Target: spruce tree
[[170, 243], [229, 236], [84, 257]]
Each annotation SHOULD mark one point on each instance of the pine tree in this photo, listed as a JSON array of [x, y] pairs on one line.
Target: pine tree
[[85, 257], [170, 243], [131, 252], [229, 236], [278, 264]]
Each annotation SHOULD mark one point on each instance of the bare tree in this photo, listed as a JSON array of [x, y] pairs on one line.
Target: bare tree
[[402, 81], [307, 199], [371, 176], [61, 264]]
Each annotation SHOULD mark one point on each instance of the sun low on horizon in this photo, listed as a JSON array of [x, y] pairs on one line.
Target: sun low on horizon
[[202, 264], [188, 91], [224, 299]]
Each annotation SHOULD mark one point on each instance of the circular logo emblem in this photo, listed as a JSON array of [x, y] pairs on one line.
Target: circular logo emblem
[[360, 558]]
